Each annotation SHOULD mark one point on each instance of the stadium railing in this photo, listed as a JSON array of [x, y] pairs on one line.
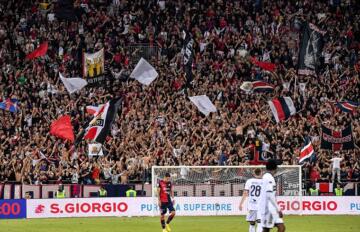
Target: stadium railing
[[12, 190]]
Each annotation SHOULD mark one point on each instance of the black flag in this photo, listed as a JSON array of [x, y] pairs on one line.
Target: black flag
[[188, 56], [311, 46], [65, 10], [99, 128], [337, 140]]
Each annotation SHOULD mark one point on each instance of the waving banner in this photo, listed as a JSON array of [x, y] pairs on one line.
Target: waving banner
[[188, 56], [99, 128], [311, 45], [203, 104]]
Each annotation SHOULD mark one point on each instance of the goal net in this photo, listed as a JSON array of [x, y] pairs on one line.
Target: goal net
[[222, 181]]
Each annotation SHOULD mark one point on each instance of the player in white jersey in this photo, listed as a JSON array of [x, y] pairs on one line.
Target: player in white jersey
[[270, 215], [252, 194]]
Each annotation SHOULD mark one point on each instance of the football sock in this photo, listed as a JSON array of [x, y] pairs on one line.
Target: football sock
[[252, 228], [169, 219], [259, 228], [163, 223]]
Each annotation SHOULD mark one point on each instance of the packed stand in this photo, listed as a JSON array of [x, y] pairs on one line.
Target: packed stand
[[158, 125]]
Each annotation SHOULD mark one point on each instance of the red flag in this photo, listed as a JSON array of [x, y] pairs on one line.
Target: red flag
[[264, 65], [62, 128], [40, 51]]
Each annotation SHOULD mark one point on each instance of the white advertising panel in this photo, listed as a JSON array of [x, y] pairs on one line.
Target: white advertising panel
[[194, 206]]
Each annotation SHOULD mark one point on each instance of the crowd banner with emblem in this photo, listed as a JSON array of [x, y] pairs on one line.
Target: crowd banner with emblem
[[94, 67], [95, 149], [337, 140]]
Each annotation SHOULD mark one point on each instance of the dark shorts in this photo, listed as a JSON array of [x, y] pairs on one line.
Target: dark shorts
[[165, 207]]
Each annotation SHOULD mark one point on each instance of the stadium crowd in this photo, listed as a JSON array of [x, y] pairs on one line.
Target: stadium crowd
[[158, 125]]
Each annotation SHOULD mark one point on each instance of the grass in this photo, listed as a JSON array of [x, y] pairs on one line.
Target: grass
[[180, 224]]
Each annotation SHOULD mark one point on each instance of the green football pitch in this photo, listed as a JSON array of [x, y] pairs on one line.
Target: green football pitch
[[180, 224]]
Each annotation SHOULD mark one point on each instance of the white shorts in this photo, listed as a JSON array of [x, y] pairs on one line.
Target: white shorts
[[252, 216], [270, 219]]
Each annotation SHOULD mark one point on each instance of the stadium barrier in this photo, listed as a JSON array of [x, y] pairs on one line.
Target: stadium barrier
[[18, 191], [195, 206]]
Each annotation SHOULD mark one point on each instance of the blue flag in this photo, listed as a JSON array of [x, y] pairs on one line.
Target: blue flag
[[10, 105], [347, 106]]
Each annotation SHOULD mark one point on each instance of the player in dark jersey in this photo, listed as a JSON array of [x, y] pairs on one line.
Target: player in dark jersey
[[166, 201]]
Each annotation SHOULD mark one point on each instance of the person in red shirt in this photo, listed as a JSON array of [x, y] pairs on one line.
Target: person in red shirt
[[166, 195]]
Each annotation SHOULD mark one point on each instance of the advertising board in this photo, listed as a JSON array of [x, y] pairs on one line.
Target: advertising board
[[11, 209], [195, 206]]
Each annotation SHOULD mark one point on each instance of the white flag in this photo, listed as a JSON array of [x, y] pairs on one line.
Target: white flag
[[203, 104], [144, 72], [73, 84], [302, 86], [95, 149], [247, 86]]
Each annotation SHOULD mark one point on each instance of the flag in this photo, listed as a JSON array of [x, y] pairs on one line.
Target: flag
[[10, 105], [264, 65], [282, 108], [38, 52], [188, 56], [307, 152], [62, 128], [256, 86], [247, 86], [325, 187], [73, 84], [100, 126], [94, 67], [203, 104], [311, 46], [93, 109], [262, 86], [337, 140], [95, 149], [65, 10], [260, 157], [144, 72], [347, 106]]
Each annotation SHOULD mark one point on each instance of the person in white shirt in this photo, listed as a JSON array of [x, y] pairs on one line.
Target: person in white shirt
[[252, 194], [270, 215], [336, 167]]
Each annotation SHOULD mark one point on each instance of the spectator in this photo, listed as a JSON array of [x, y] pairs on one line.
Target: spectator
[[339, 190], [313, 191], [102, 192], [60, 193], [157, 124], [336, 167]]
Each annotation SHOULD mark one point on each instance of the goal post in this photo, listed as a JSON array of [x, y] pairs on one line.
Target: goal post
[[223, 181]]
